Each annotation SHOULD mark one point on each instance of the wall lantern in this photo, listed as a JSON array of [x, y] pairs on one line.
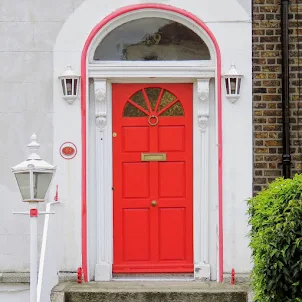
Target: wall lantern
[[33, 175], [70, 84], [232, 84]]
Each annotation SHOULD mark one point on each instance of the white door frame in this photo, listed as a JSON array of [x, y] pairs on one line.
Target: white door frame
[[100, 167], [99, 147]]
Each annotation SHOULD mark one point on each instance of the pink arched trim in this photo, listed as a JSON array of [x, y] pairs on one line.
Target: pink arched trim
[[91, 36]]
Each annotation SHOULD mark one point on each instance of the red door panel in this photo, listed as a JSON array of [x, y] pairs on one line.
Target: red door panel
[[136, 236], [153, 200], [171, 138], [135, 139], [132, 175], [172, 179], [172, 234]]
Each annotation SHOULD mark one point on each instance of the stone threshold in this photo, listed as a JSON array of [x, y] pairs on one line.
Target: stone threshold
[[140, 291]]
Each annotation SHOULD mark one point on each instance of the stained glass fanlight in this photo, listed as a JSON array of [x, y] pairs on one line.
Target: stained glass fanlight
[[152, 39]]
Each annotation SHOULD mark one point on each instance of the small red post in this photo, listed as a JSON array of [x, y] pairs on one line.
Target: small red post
[[80, 275], [233, 277], [56, 198]]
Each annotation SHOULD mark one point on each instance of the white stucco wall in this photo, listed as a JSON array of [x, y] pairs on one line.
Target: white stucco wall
[[38, 40], [14, 292], [28, 30]]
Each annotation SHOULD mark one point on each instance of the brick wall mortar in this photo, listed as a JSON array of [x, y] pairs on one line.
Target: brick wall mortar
[[267, 77]]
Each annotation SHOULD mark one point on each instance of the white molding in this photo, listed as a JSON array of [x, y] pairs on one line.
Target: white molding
[[136, 70], [103, 181], [203, 109], [103, 265], [199, 73], [100, 90], [202, 267]]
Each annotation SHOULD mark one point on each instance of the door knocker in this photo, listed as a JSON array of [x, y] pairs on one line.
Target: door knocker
[[150, 120]]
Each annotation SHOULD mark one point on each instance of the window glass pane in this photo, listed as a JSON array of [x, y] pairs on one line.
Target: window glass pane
[[153, 94], [139, 99], [167, 98], [174, 110], [152, 39], [131, 111]]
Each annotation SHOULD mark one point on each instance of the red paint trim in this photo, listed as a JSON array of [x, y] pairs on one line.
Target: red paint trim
[[91, 36]]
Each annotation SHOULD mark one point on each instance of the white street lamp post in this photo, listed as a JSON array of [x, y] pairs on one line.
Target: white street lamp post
[[33, 177]]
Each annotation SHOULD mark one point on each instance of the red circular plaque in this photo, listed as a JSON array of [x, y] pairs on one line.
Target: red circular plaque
[[68, 150]]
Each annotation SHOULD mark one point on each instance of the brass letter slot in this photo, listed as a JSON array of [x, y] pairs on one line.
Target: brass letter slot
[[153, 157]]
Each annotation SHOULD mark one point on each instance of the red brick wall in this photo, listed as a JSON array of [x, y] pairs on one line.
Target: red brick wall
[[267, 89]]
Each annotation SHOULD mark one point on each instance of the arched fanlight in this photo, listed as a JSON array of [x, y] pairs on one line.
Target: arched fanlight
[[233, 84], [70, 84]]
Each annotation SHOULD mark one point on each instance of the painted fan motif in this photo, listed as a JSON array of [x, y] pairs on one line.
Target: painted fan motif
[[153, 102]]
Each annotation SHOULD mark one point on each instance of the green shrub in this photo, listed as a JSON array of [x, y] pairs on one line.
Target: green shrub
[[275, 218]]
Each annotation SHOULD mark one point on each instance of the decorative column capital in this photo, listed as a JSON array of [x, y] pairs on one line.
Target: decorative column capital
[[203, 89], [203, 123], [203, 107], [100, 92]]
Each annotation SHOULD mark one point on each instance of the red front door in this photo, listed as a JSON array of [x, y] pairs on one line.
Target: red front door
[[152, 178]]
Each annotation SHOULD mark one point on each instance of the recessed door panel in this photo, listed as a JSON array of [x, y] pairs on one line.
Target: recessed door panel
[[136, 234], [152, 178], [172, 179], [135, 180], [171, 138], [136, 139], [172, 234]]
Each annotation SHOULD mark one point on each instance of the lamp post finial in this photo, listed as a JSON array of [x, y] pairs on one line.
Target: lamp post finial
[[33, 147]]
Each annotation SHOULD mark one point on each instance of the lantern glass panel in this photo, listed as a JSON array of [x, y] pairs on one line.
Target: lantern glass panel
[[75, 85], [63, 86], [238, 87], [23, 180], [41, 181], [233, 85], [69, 86], [227, 85]]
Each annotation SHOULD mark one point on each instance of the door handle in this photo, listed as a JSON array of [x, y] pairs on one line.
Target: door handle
[[153, 203]]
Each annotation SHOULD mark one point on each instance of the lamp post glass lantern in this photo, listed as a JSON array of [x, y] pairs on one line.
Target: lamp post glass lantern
[[33, 175], [233, 84], [70, 84]]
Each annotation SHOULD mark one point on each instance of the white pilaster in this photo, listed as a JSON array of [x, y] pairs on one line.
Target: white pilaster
[[103, 266], [202, 266]]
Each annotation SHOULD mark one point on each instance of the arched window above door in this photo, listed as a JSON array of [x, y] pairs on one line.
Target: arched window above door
[[152, 39]]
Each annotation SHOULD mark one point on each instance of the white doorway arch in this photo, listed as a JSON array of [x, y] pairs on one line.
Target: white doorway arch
[[99, 147]]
